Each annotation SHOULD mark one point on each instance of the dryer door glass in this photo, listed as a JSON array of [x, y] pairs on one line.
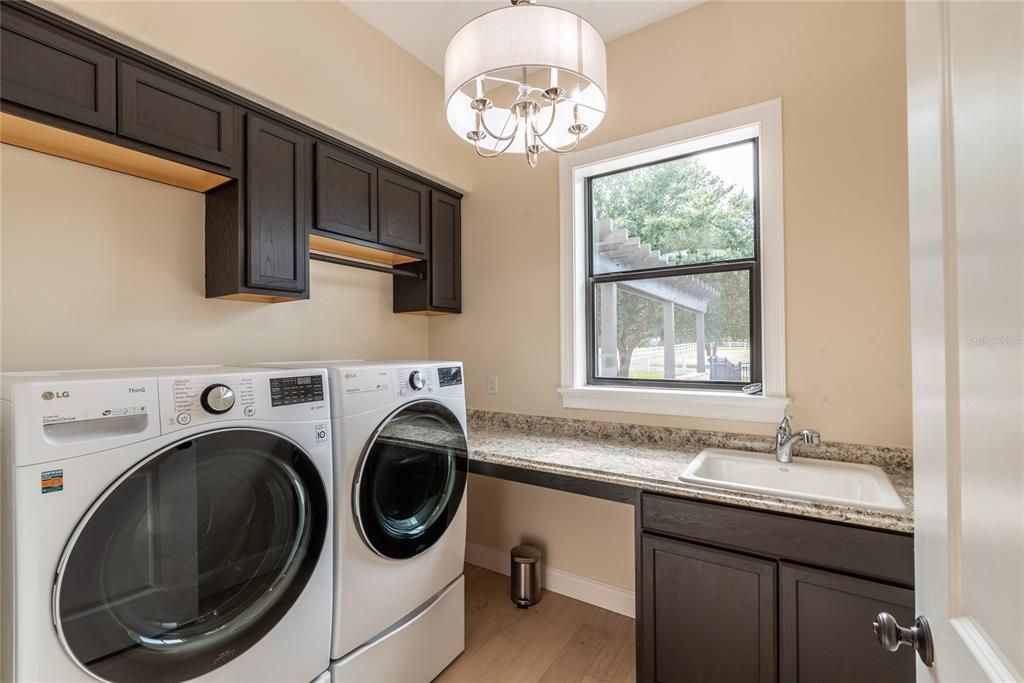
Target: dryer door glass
[[189, 559], [411, 480]]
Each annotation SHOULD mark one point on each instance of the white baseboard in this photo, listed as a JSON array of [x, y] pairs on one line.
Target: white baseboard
[[575, 586]]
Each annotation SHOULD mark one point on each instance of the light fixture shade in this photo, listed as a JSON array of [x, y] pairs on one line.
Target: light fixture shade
[[525, 39]]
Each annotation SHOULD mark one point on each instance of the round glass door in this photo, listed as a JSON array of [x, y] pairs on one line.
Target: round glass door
[[411, 480], [190, 558]]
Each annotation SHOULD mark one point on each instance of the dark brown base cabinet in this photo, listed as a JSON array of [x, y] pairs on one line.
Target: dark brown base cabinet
[[716, 603], [271, 183], [708, 614], [825, 627]]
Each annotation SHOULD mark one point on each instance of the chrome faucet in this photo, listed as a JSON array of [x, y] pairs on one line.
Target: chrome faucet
[[785, 440]]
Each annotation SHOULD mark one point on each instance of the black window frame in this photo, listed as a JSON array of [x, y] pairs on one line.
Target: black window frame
[[752, 265]]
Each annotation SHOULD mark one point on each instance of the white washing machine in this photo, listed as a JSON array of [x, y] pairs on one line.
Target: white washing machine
[[167, 525], [400, 526]]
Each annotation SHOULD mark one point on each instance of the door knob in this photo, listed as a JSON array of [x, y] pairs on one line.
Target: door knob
[[891, 636]]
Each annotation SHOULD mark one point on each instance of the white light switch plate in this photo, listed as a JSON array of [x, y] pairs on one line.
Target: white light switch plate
[[492, 384]]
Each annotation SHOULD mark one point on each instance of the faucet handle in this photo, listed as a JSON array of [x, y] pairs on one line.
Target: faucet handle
[[784, 428]]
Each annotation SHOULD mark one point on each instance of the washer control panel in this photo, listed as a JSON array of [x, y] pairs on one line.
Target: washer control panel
[[287, 391], [449, 375], [217, 399], [275, 395], [194, 399]]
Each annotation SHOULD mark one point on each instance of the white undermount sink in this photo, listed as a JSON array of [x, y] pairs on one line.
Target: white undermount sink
[[827, 481]]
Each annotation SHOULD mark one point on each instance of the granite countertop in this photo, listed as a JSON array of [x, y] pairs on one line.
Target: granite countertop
[[652, 458]]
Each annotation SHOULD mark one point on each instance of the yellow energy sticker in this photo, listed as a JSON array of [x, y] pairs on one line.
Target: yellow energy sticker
[[52, 481]]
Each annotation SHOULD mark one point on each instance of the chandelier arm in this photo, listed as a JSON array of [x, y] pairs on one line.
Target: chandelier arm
[[556, 150], [476, 145], [499, 138], [551, 121]]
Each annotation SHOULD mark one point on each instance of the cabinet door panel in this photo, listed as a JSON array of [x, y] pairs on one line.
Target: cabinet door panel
[[445, 252], [346, 193], [707, 615], [56, 72], [404, 212], [826, 628], [172, 115], [276, 213]]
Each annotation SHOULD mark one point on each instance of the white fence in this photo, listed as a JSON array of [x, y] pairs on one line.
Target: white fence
[[648, 360]]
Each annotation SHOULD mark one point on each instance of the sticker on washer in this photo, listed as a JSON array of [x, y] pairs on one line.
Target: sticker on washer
[[52, 481]]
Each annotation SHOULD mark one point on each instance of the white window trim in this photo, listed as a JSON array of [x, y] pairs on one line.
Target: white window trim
[[574, 168]]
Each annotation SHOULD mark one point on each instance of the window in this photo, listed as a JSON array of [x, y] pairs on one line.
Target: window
[[673, 271], [672, 261]]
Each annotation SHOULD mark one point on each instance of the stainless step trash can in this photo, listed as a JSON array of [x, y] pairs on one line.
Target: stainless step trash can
[[526, 586]]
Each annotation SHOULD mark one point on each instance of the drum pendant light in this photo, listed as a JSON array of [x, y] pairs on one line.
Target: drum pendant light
[[523, 79]]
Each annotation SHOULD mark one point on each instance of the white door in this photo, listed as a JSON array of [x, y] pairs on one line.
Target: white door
[[965, 108]]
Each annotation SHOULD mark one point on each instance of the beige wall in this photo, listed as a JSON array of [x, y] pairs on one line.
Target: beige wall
[[575, 533], [839, 69], [102, 269]]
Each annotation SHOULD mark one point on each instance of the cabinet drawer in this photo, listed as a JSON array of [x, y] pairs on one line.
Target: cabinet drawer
[[404, 210], [872, 553], [825, 628], [346, 193], [172, 115], [55, 72]]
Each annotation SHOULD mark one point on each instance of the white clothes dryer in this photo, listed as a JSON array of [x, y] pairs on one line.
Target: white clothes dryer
[[401, 462], [167, 525]]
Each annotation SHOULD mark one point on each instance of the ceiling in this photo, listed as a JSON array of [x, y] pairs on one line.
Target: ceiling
[[424, 27]]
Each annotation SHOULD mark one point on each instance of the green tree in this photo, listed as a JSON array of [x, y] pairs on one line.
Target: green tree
[[690, 215]]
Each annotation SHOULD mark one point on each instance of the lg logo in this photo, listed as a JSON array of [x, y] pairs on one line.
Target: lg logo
[[50, 395]]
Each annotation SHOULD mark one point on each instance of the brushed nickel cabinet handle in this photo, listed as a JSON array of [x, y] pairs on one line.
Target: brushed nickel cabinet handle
[[891, 636]]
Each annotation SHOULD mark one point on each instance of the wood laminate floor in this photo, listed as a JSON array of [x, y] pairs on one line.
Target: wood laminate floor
[[559, 639]]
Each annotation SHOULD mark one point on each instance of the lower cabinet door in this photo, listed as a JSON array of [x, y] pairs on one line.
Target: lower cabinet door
[[707, 615], [826, 632]]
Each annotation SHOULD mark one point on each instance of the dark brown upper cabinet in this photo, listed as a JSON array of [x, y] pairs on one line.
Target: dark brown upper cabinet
[[71, 92], [708, 615], [440, 289], [404, 212], [257, 227], [346, 194], [167, 113], [826, 628], [275, 203], [445, 252], [55, 72]]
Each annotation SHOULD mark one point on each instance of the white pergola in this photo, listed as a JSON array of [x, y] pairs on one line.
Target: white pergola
[[615, 251]]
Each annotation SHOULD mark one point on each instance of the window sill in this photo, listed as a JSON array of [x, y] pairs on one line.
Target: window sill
[[720, 405]]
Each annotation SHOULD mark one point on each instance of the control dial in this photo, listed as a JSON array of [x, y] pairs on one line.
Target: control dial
[[218, 399], [416, 380]]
